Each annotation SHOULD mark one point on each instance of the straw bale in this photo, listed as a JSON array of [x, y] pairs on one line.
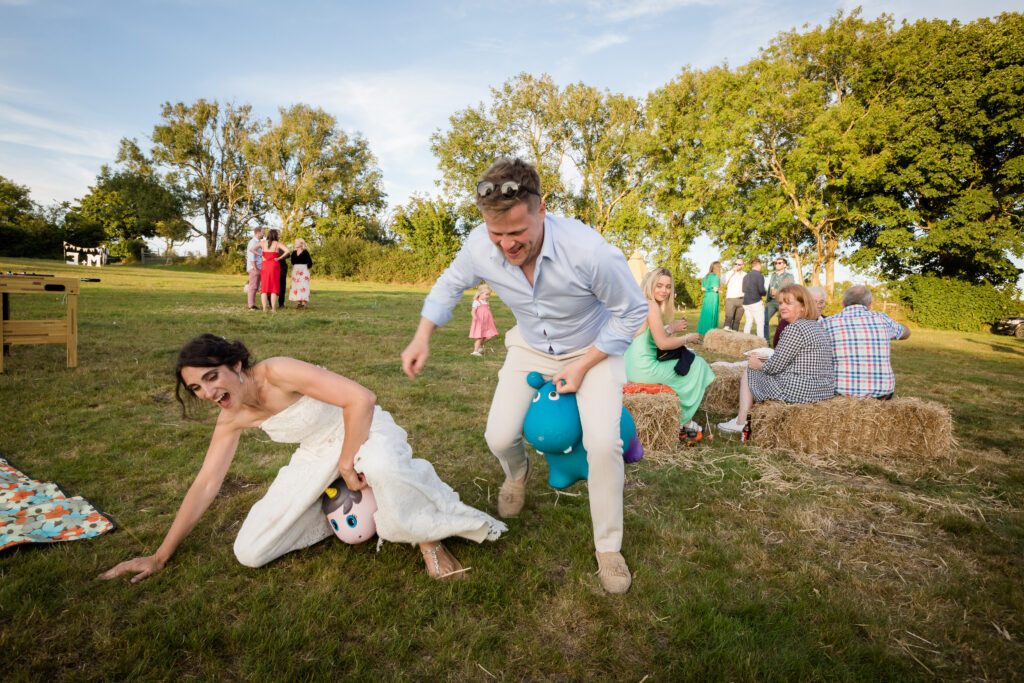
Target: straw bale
[[732, 343], [656, 417], [844, 425], [723, 395]]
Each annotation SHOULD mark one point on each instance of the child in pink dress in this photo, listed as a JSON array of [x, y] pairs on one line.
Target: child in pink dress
[[482, 328]]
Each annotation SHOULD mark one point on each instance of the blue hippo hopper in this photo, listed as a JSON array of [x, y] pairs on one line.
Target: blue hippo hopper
[[553, 427]]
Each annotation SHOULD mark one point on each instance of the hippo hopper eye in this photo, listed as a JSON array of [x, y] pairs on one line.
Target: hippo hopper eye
[[553, 395], [536, 397]]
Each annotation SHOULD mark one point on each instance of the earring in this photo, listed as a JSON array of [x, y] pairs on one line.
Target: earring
[[241, 380]]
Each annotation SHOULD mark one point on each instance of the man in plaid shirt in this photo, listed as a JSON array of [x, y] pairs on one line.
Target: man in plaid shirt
[[860, 345]]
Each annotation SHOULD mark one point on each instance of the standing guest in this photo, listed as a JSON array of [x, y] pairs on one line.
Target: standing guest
[[779, 330], [482, 328], [576, 306], [644, 357], [778, 279], [340, 431], [861, 344], [818, 294], [753, 290], [801, 369], [283, 276], [709, 307], [301, 264], [734, 295], [270, 271], [253, 259]]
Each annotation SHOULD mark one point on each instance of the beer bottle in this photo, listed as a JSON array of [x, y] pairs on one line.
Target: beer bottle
[[745, 436]]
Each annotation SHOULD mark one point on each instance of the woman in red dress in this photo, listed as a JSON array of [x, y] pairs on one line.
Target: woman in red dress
[[270, 272]]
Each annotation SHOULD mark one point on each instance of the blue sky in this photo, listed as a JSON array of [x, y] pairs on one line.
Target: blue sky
[[78, 75]]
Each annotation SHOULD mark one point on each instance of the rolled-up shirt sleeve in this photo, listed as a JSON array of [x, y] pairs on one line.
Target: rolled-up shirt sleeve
[[449, 288], [615, 288]]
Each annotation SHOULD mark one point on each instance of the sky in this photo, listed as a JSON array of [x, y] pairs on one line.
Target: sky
[[76, 76]]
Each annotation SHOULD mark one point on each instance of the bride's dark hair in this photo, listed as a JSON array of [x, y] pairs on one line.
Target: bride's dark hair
[[208, 351]]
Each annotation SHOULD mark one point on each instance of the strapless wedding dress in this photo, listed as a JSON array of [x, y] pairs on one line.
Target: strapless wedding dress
[[414, 505]]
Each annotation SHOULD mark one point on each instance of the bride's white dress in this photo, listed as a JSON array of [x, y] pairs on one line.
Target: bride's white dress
[[414, 505]]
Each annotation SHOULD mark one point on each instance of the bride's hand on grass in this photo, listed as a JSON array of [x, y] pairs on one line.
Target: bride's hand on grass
[[142, 567]]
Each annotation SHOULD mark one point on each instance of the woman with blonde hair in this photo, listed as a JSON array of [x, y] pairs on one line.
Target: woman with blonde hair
[[301, 264], [709, 308], [800, 370], [657, 356]]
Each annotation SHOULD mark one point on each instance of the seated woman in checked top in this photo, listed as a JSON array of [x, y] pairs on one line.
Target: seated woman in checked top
[[801, 369]]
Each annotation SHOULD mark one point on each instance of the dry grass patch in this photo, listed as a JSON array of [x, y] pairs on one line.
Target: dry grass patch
[[732, 343], [906, 427], [656, 417], [723, 395]]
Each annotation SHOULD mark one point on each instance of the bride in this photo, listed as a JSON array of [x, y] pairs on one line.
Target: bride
[[339, 430]]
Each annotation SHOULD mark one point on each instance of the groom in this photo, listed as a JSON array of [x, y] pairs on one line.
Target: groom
[[576, 306]]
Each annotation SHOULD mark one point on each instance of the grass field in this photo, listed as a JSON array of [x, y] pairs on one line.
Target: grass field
[[748, 565]]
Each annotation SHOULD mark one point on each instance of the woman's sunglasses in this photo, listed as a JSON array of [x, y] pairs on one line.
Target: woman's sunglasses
[[507, 189]]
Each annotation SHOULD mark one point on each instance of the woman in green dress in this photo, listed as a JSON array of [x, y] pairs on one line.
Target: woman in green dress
[[658, 335], [709, 309]]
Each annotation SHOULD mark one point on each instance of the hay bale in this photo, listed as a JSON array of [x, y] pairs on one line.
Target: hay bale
[[732, 343], [656, 417], [723, 395], [844, 425]]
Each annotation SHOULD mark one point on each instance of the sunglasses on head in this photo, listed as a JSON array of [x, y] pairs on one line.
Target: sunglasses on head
[[507, 189]]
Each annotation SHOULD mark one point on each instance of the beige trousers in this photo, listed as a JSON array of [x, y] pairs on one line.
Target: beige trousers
[[600, 403]]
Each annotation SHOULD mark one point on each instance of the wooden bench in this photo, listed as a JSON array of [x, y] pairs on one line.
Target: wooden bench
[[40, 331]]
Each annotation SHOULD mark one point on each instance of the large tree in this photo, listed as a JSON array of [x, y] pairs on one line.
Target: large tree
[[433, 228], [129, 204], [587, 145], [310, 169], [204, 145], [949, 202], [523, 119], [781, 151]]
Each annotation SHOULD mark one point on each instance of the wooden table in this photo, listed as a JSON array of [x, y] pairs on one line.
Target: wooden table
[[63, 331]]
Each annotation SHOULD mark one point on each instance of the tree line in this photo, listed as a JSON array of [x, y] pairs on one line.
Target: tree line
[[895, 149]]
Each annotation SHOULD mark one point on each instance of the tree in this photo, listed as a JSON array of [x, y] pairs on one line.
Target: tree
[[129, 204], [602, 134], [311, 169], [524, 119], [607, 145], [782, 151], [432, 228], [949, 201], [173, 230], [204, 144], [24, 231]]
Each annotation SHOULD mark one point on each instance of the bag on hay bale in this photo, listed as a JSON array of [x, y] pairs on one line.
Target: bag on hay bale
[[656, 417], [723, 395], [855, 426], [732, 343]]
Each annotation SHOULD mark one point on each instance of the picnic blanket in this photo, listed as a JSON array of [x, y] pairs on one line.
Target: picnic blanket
[[38, 512]]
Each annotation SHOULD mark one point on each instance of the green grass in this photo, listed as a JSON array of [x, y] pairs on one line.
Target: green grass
[[749, 565]]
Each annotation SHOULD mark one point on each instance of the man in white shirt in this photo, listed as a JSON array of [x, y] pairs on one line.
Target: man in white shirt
[[576, 306], [253, 261], [733, 295]]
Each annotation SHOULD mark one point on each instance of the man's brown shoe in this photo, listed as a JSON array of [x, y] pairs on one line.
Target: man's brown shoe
[[613, 572], [512, 494]]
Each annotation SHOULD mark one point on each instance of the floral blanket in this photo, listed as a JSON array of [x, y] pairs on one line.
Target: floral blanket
[[38, 512]]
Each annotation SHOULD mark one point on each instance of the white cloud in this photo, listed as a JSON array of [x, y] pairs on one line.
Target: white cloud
[[397, 111], [622, 10], [602, 42]]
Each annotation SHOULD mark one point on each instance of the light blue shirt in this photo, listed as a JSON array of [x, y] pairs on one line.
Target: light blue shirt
[[252, 259], [583, 292]]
